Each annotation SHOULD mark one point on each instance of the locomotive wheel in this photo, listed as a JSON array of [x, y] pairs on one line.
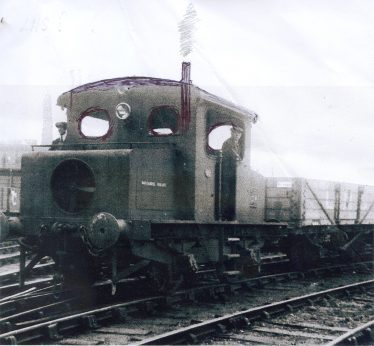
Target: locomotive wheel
[[159, 277], [76, 274]]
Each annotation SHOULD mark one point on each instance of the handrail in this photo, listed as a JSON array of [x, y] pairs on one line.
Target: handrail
[[106, 145]]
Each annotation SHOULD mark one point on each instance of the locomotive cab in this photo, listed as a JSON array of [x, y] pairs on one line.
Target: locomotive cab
[[146, 158]]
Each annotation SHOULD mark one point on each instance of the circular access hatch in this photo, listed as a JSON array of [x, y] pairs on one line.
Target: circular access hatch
[[73, 185]]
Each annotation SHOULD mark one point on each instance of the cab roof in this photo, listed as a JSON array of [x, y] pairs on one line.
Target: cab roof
[[131, 82]]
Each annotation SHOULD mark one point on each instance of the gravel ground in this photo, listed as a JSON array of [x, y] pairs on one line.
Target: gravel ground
[[310, 325], [140, 327]]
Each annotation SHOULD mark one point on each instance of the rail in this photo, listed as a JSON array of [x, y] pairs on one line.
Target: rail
[[194, 333], [358, 336], [54, 327]]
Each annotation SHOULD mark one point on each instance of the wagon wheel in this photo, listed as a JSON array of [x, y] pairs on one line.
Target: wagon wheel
[[297, 257], [303, 254]]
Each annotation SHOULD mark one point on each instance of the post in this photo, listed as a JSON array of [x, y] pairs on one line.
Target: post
[[114, 265], [22, 265], [219, 190], [360, 192], [221, 243], [337, 204]]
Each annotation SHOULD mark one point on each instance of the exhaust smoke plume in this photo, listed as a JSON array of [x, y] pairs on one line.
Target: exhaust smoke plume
[[186, 30]]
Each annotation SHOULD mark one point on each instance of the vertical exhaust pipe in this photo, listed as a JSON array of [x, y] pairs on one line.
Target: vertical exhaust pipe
[[185, 96]]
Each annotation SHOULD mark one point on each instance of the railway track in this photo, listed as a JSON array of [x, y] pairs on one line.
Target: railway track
[[9, 252], [14, 306], [10, 275], [53, 327], [362, 335], [40, 276], [279, 323]]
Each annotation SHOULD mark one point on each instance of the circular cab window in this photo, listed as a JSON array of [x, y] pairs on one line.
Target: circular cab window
[[222, 134], [218, 135], [163, 121], [95, 123]]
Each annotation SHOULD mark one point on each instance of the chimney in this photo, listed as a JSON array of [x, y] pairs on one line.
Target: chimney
[[185, 96], [186, 72]]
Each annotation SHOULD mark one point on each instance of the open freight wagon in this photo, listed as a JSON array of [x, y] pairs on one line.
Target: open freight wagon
[[324, 216]]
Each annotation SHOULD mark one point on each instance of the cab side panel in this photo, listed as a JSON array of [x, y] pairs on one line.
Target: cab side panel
[[152, 192]]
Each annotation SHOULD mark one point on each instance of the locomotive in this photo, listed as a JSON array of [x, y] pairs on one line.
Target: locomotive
[[136, 190]]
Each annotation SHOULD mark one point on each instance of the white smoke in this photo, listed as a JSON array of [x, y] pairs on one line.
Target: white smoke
[[186, 29]]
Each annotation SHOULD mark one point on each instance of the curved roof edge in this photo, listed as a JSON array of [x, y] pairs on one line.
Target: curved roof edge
[[223, 102], [125, 81], [129, 82]]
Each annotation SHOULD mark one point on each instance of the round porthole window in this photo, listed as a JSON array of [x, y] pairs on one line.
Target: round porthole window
[[95, 123], [163, 121]]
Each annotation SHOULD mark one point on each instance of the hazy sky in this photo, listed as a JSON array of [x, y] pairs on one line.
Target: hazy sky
[[306, 67]]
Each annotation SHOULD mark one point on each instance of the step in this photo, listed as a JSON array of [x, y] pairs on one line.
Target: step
[[231, 255], [231, 272], [233, 240]]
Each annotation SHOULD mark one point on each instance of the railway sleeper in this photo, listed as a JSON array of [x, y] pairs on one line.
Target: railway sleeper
[[6, 326], [148, 307], [193, 338], [120, 314], [236, 322], [221, 328], [9, 340], [52, 332], [90, 322], [368, 334]]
